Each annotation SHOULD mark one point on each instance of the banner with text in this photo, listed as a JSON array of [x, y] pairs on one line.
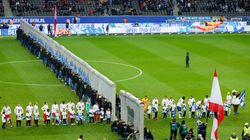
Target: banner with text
[[140, 28]]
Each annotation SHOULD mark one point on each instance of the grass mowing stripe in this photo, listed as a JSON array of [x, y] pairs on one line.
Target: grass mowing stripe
[[227, 72], [222, 60], [228, 54], [11, 50], [113, 49], [149, 46], [6, 52], [190, 74], [103, 54], [230, 47], [142, 54]]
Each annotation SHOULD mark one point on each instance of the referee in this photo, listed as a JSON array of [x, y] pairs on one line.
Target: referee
[[187, 60]]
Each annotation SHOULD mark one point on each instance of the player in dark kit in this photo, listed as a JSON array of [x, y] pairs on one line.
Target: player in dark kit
[[187, 60]]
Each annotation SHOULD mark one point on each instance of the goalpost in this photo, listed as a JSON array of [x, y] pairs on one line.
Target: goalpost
[[95, 79]]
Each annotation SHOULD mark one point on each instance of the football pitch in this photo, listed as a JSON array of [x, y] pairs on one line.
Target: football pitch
[[152, 65]]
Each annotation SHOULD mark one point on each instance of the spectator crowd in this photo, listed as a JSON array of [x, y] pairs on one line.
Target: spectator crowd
[[125, 7], [157, 5], [64, 7], [1, 8], [220, 6]]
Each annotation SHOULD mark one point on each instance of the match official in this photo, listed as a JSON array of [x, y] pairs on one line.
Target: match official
[[187, 60]]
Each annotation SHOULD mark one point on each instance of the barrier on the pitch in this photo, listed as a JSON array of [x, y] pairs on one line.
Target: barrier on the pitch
[[132, 112], [99, 82]]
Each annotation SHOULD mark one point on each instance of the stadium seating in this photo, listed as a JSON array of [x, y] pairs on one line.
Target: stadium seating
[[214, 7], [129, 7], [1, 8], [161, 7]]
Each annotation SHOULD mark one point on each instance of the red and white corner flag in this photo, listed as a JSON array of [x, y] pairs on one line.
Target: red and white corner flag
[[216, 106], [55, 16]]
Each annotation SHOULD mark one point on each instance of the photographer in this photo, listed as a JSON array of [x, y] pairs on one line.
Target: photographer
[[133, 135], [4, 26]]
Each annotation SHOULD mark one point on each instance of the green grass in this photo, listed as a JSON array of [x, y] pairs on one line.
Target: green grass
[[162, 59], [36, 72]]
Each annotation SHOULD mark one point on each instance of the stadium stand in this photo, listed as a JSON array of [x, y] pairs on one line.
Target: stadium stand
[[129, 7], [74, 7], [42, 8], [162, 7], [214, 7], [1, 8]]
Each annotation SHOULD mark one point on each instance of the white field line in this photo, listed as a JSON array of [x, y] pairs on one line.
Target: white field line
[[140, 72], [26, 84]]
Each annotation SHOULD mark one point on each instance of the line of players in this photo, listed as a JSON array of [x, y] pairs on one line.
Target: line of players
[[170, 108], [65, 113]]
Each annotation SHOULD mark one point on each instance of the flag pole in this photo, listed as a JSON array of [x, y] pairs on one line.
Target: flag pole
[[216, 105], [55, 16]]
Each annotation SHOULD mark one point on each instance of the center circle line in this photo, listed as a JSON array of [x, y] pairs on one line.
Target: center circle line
[[121, 64]]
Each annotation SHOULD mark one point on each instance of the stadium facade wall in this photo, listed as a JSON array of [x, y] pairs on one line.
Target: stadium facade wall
[[96, 19], [115, 19], [132, 112], [96, 80]]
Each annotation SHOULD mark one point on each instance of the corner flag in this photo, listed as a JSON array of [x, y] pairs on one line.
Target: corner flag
[[55, 16], [242, 99], [216, 106]]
